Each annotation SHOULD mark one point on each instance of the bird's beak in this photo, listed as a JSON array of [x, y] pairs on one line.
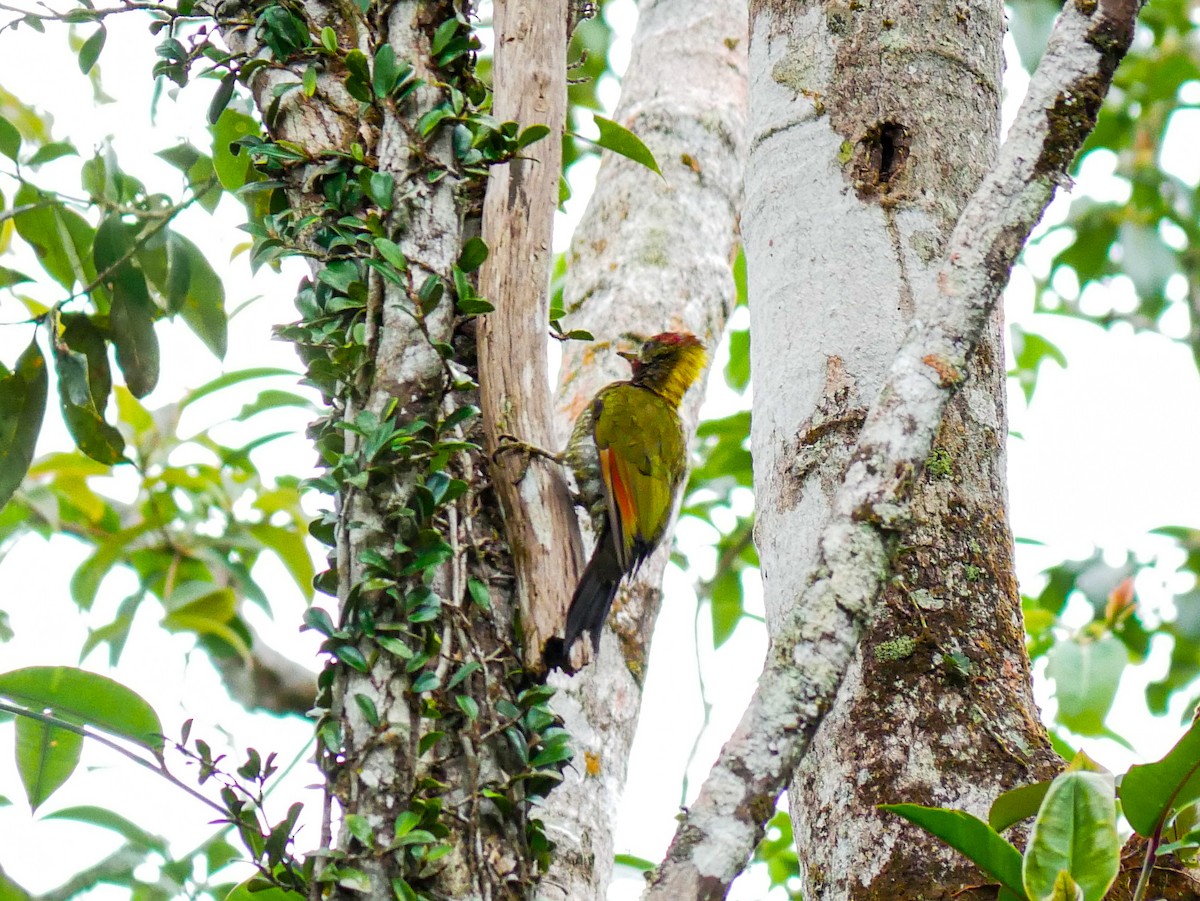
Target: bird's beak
[[628, 355]]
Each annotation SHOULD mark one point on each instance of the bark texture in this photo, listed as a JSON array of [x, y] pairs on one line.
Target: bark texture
[[388, 746], [895, 108], [530, 84], [651, 254], [817, 636]]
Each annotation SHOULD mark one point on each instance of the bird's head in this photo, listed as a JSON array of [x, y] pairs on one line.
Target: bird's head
[[668, 363]]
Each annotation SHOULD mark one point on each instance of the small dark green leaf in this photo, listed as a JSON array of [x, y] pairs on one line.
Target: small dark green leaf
[[221, 98], [352, 657], [131, 318], [90, 51], [427, 681], [10, 139], [531, 135], [385, 71], [479, 593], [391, 252], [22, 406], [621, 140], [92, 434], [468, 706], [367, 707], [474, 252]]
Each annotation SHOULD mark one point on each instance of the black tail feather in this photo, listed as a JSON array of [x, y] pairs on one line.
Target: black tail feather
[[590, 605]]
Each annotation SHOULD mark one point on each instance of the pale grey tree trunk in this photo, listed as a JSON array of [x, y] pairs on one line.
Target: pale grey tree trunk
[[869, 579], [871, 127], [650, 255]]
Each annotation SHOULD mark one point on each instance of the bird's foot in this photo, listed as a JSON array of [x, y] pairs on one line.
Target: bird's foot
[[510, 444]]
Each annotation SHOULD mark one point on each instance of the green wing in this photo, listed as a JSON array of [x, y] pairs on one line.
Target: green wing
[[642, 460]]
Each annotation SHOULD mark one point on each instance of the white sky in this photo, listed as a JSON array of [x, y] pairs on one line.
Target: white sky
[[1094, 468]]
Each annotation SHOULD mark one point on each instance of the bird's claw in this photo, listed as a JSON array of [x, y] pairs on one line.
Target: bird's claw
[[508, 444]]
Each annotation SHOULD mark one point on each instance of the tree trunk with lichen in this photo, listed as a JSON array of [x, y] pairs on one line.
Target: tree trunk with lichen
[[894, 110], [434, 739]]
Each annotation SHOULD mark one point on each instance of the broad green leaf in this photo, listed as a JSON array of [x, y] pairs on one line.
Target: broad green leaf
[[289, 546], [22, 406], [621, 140], [10, 139], [92, 434], [110, 819], [1086, 675], [1151, 791], [257, 889], [81, 334], [971, 836], [202, 607], [197, 294], [131, 318], [60, 237], [1075, 833], [233, 169], [46, 758], [87, 698], [1016, 804]]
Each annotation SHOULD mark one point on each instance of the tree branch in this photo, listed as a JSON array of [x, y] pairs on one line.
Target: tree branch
[[817, 642], [514, 383]]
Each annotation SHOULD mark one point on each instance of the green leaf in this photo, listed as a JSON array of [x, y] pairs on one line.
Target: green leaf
[[49, 152], [256, 889], [197, 294], [228, 379], [427, 681], [726, 604], [468, 706], [90, 51], [386, 71], [22, 406], [233, 169], [1086, 675], [1151, 791], [109, 819], [92, 434], [309, 81], [1016, 804], [10, 139], [532, 135], [474, 252], [358, 826], [621, 140], [131, 319], [391, 252], [221, 97], [80, 333], [1075, 833], [972, 837], [479, 593], [87, 698], [368, 709], [46, 758]]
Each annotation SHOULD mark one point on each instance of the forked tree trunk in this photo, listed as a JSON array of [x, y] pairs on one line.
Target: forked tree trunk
[[871, 127]]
